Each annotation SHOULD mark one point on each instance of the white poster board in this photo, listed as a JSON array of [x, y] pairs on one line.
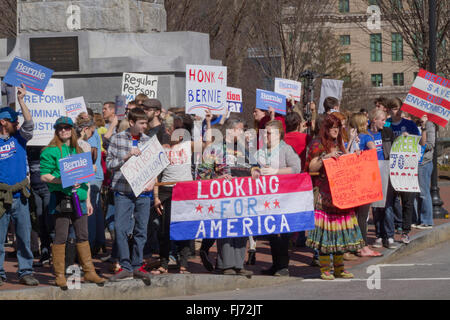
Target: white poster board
[[74, 107], [289, 88], [139, 171], [330, 88], [136, 83], [384, 171], [404, 162], [206, 89], [45, 110]]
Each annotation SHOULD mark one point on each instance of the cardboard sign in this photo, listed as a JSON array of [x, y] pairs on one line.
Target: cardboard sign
[[136, 83], [34, 76], [206, 89], [234, 99], [139, 171], [430, 95], [45, 110], [266, 99], [242, 207], [76, 169], [121, 106], [74, 107], [404, 163], [354, 180], [384, 171], [289, 88]]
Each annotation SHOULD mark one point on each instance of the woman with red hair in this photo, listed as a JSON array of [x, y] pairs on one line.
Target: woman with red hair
[[336, 230]]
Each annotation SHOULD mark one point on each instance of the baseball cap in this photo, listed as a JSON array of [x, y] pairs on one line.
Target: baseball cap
[[63, 120], [8, 114], [152, 103]]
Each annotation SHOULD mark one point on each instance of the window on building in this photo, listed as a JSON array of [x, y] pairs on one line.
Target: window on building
[[344, 6], [377, 80], [375, 47], [345, 40], [398, 79], [347, 57], [347, 81], [397, 47], [373, 2]]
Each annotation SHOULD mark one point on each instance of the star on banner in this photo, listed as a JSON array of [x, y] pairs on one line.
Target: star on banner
[[211, 209], [276, 204], [266, 205], [199, 208]]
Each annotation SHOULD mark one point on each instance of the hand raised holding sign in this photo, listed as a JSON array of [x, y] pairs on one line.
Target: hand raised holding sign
[[21, 92]]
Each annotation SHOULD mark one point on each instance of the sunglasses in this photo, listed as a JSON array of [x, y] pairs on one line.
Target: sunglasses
[[61, 128]]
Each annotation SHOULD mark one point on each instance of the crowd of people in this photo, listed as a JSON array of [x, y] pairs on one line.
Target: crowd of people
[[49, 226]]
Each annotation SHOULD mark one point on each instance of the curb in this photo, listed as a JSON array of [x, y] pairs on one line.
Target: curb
[[418, 242], [163, 286]]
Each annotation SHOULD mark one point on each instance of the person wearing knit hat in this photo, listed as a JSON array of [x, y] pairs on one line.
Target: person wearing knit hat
[[14, 187]]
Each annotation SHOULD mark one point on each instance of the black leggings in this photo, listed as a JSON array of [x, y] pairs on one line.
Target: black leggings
[[165, 194], [62, 223]]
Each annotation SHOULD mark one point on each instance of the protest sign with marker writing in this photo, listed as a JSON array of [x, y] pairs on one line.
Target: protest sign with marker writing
[[136, 83], [206, 89], [404, 162], [354, 180], [242, 207], [34, 76], [430, 95]]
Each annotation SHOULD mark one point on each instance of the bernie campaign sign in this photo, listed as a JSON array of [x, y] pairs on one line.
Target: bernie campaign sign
[[289, 88], [242, 207], [430, 95], [266, 99], [34, 76], [206, 89], [234, 99], [74, 107], [76, 169]]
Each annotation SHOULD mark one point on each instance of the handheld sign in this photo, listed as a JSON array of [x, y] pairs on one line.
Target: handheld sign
[[34, 76], [354, 180], [45, 110], [139, 171], [121, 105], [289, 88], [234, 99], [430, 95], [242, 207], [266, 99], [404, 163], [206, 89], [74, 107], [76, 169], [136, 83]]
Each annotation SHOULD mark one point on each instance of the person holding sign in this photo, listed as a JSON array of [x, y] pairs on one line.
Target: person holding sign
[[123, 146], [337, 230], [14, 187], [62, 206]]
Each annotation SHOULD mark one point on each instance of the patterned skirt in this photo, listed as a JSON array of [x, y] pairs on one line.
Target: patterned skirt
[[335, 233]]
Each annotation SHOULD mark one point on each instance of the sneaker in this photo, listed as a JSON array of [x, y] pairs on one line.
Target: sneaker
[[344, 274], [389, 243], [29, 280], [205, 260], [2, 280], [142, 273], [282, 273], [405, 238], [268, 272], [398, 230], [378, 243], [121, 275], [424, 226], [173, 263], [413, 225], [243, 272], [327, 276], [229, 272]]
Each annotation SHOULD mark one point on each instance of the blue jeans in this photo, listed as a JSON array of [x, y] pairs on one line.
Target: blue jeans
[[425, 203], [386, 223], [96, 223], [125, 207], [19, 213], [109, 219]]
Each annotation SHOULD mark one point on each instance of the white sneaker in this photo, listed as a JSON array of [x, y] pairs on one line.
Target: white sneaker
[[424, 226], [390, 244], [414, 225], [378, 243]]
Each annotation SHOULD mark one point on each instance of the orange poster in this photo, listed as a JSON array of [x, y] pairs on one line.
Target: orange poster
[[354, 180]]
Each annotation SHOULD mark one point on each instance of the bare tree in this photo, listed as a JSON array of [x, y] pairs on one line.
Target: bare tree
[[8, 18]]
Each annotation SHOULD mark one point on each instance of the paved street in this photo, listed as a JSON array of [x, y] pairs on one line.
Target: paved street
[[423, 275]]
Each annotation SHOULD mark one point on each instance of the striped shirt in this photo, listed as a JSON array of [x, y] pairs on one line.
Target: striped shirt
[[120, 145]]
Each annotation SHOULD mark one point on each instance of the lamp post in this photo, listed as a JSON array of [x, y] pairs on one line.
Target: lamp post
[[438, 211]]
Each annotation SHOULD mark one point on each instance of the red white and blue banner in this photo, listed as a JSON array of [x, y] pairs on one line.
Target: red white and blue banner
[[34, 76], [242, 207], [430, 95]]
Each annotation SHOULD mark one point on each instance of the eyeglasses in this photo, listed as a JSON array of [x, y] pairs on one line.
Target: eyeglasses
[[61, 128]]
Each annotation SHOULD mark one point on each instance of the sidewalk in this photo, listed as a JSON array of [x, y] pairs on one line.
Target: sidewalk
[[299, 263]]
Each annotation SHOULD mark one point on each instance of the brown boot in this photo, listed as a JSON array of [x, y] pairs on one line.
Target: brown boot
[[84, 254], [59, 252]]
